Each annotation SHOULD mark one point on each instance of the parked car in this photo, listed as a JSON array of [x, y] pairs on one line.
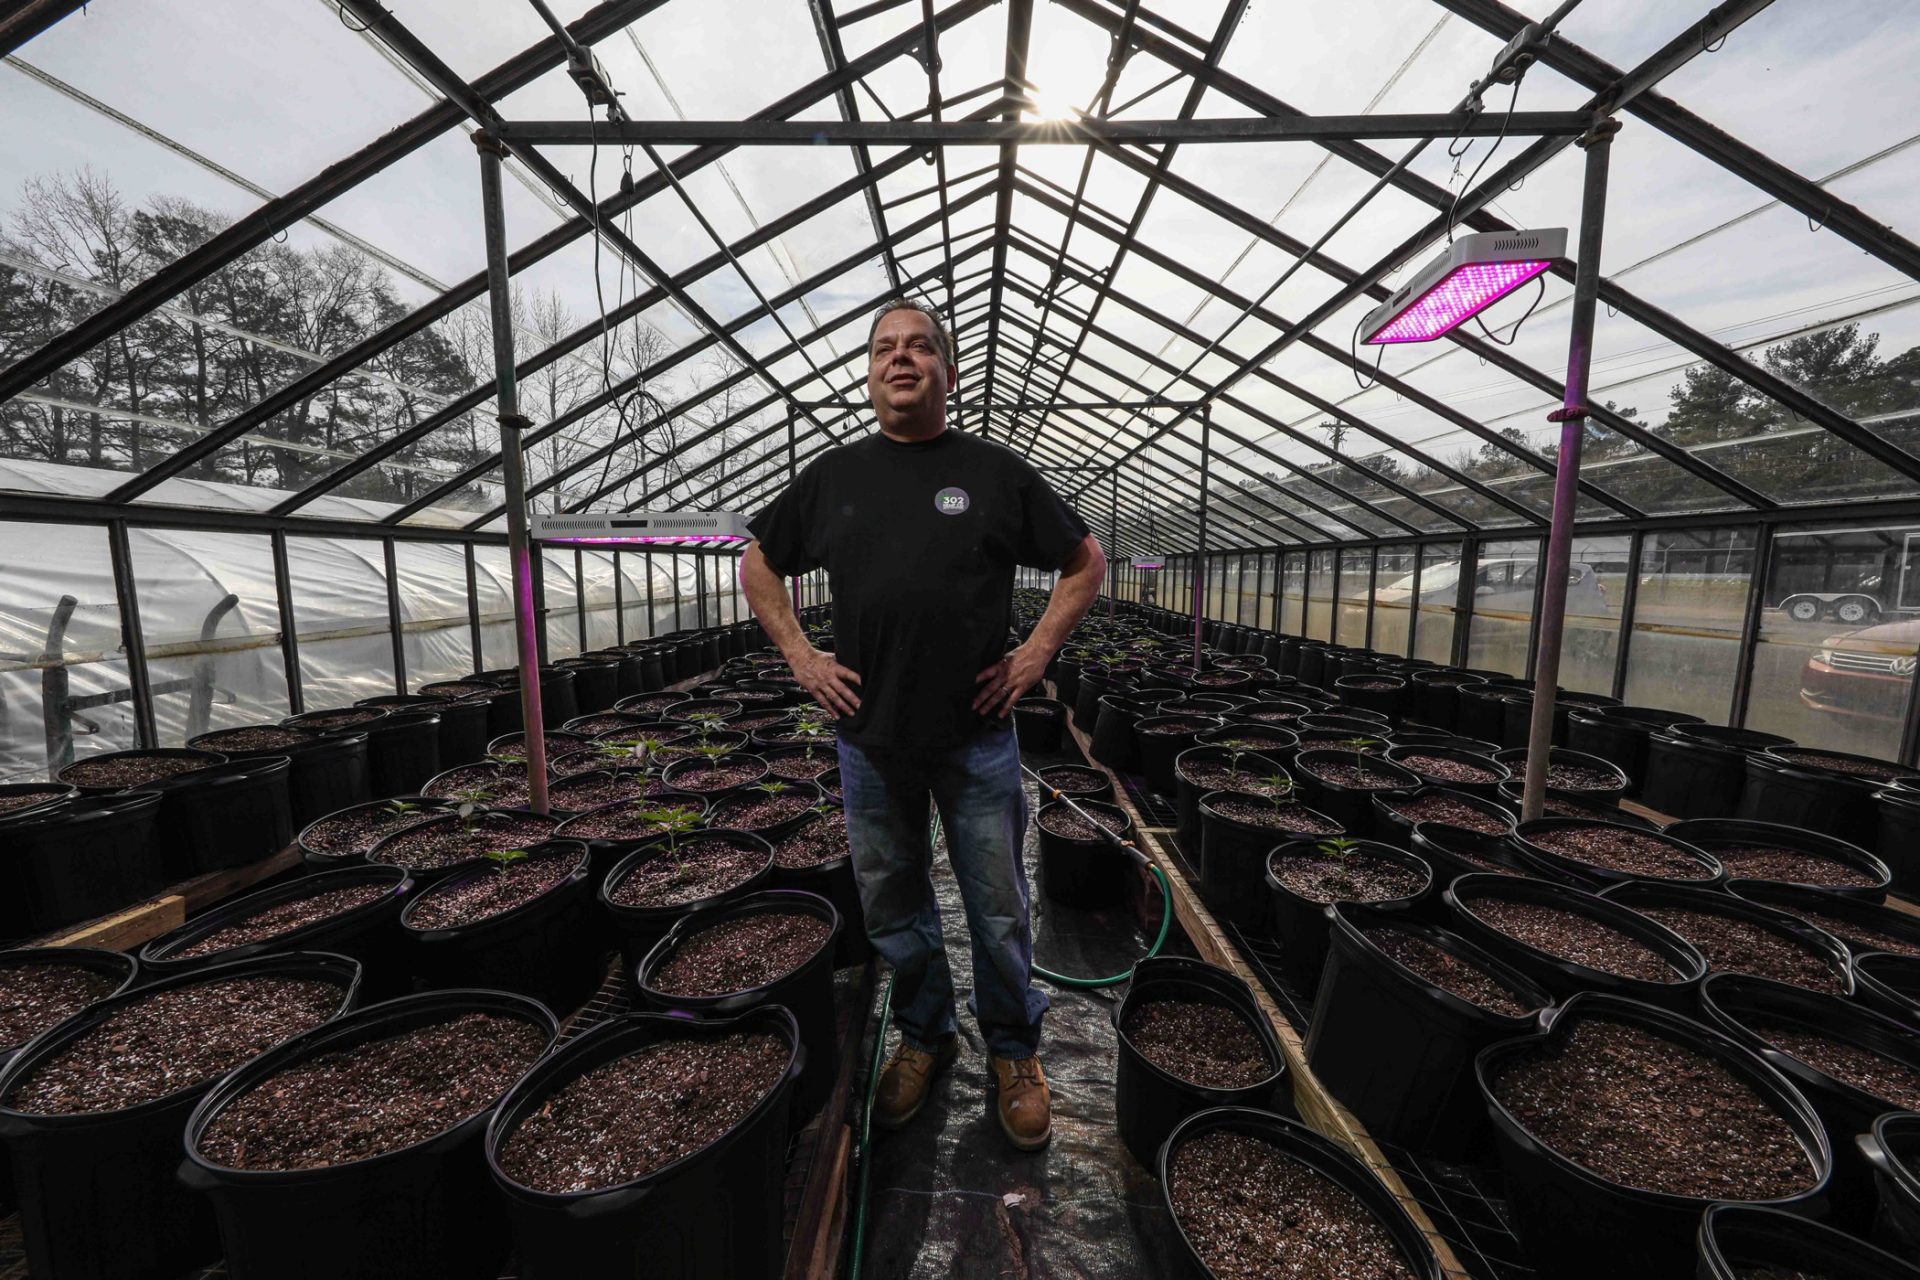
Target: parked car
[[1863, 673], [1500, 586]]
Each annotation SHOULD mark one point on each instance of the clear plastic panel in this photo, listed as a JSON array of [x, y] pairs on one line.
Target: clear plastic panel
[[339, 592], [1835, 663], [1436, 609], [1350, 619], [1320, 570], [560, 585], [1506, 576], [1687, 618], [63, 672], [493, 597], [210, 620], [431, 578], [1596, 592], [1391, 600]]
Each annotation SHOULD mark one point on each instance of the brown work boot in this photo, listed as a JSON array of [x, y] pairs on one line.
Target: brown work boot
[[1024, 1102], [908, 1078]]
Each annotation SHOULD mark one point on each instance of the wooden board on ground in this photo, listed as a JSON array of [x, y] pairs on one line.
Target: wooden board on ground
[[819, 1228], [1317, 1107], [132, 927]]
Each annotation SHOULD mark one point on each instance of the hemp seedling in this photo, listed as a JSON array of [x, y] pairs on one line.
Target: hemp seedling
[[1359, 747], [400, 808], [1340, 849], [706, 723], [504, 858], [712, 752], [1279, 789]]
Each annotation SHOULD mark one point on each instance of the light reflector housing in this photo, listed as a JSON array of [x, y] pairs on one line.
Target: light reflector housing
[[1149, 562], [699, 528], [1475, 272]]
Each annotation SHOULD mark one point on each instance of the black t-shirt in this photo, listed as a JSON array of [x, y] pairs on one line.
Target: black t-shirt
[[919, 542]]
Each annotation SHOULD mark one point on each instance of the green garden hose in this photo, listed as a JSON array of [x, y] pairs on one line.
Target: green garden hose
[[866, 1133]]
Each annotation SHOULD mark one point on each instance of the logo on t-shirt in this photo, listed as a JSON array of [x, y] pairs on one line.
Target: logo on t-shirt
[[951, 501]]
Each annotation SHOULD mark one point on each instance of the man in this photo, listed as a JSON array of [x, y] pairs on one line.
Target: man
[[919, 528]]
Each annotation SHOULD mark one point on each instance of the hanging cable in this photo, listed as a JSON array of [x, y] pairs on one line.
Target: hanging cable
[[1506, 120], [1494, 337]]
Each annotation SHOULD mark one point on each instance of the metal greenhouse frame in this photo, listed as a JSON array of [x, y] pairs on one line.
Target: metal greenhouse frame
[[1173, 438]]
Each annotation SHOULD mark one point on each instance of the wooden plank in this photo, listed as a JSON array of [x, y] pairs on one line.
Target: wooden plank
[[1317, 1107], [823, 1200], [130, 928]]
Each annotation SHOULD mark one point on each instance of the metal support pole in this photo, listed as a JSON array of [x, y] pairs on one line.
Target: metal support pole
[[1572, 417], [619, 601], [648, 555], [513, 472], [473, 612], [792, 473], [132, 641], [289, 630], [1113, 541], [1200, 553], [396, 624]]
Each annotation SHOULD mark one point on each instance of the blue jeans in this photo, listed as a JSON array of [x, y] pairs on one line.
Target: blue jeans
[[983, 808]]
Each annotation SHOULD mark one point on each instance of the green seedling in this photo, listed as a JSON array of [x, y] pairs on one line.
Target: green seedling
[[504, 858], [1359, 748], [1341, 850], [706, 723], [400, 808], [1278, 789], [774, 788], [712, 752]]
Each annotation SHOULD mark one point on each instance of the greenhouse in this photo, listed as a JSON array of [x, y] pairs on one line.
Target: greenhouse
[[577, 578]]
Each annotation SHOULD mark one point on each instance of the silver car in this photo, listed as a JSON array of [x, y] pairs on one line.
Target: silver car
[[1500, 586]]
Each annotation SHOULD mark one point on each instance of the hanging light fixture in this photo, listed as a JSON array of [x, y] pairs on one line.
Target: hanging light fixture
[[700, 528], [1475, 272]]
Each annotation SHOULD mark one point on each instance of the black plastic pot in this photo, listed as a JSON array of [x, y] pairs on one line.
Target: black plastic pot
[[1620, 734], [1392, 828], [382, 853], [1086, 873], [1487, 789], [1112, 743], [1706, 833], [99, 1194], [1301, 925], [1040, 724], [1892, 1146], [1898, 842], [1738, 1240], [403, 751], [78, 860], [1700, 770], [715, 1213], [1549, 864], [679, 774], [1453, 852], [1233, 858], [639, 929], [1480, 710], [1835, 913], [1889, 983], [1433, 696], [833, 880], [1323, 1156], [119, 966], [1515, 759], [1396, 1049], [226, 815], [1575, 1224], [1390, 701], [328, 773], [1187, 794], [1516, 725], [462, 726], [201, 758], [596, 683], [368, 934], [1825, 800], [1079, 781], [1739, 1005], [1833, 952], [1095, 684], [807, 992], [1567, 978], [1351, 807], [1161, 739], [428, 1211], [548, 948], [1150, 1101], [34, 797]]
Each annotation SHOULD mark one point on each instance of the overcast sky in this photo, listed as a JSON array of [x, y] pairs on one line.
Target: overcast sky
[[277, 89]]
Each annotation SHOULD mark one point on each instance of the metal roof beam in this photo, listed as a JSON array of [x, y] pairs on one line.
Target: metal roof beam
[[835, 54], [1019, 34]]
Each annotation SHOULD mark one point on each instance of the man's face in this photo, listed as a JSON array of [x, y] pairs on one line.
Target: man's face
[[908, 377]]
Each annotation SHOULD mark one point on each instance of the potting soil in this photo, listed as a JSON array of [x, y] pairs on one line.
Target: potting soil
[[358, 830], [173, 1039], [1447, 971], [1642, 1111], [642, 1112], [35, 996], [1253, 1212], [1733, 944], [741, 954], [467, 899], [1204, 1044], [283, 918], [1788, 866], [376, 1097], [1576, 937], [693, 869], [1895, 1082]]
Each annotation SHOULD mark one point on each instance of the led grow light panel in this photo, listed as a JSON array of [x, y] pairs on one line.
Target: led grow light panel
[[1475, 272], [1149, 562], [642, 527]]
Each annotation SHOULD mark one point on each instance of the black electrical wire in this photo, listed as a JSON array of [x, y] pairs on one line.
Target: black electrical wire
[[1494, 337], [1353, 351], [1454, 208]]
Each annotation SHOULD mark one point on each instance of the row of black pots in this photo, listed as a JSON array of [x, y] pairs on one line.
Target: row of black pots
[[105, 1194]]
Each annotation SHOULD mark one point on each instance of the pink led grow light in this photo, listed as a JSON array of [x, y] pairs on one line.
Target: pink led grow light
[[1456, 297]]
